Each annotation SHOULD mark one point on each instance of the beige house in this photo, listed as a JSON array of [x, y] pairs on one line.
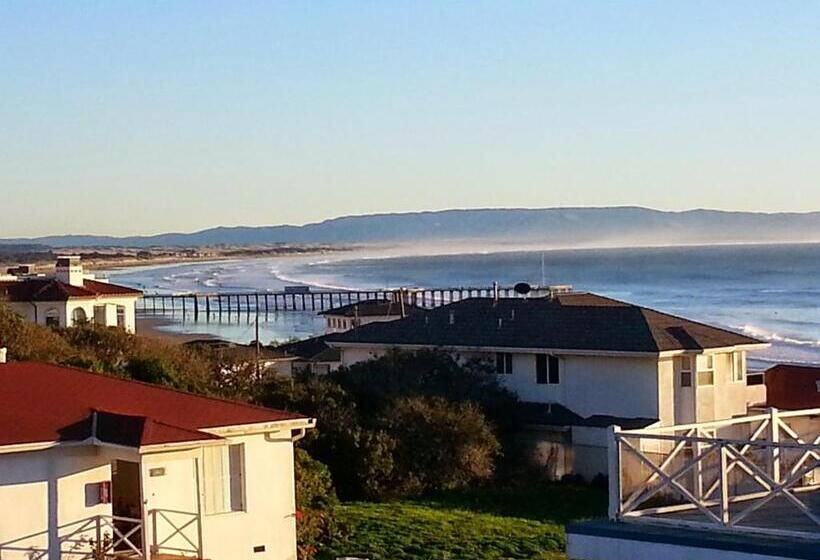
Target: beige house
[[70, 297], [144, 472], [582, 362]]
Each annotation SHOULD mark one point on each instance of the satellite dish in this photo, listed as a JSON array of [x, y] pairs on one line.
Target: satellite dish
[[522, 288]]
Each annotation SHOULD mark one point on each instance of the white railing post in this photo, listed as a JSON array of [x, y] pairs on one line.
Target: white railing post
[[614, 459], [774, 437], [724, 485]]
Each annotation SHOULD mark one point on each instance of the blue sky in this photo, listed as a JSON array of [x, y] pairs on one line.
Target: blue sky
[[143, 117]]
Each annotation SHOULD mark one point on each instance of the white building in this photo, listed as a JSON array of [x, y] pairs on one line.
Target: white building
[[587, 360], [70, 297], [149, 472], [346, 317]]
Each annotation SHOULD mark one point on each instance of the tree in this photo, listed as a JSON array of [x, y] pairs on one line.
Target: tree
[[440, 445]]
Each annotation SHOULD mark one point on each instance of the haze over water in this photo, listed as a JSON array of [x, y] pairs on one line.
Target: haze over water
[[767, 291]]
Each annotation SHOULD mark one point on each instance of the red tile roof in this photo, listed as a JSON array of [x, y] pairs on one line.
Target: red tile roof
[[45, 403], [49, 289]]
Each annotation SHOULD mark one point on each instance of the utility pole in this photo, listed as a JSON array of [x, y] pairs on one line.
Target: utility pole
[[258, 346]]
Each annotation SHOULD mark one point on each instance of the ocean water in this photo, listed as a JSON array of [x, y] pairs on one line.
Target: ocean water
[[768, 291]]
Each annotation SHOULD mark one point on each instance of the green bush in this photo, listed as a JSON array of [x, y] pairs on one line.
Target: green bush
[[439, 445], [382, 440], [315, 503]]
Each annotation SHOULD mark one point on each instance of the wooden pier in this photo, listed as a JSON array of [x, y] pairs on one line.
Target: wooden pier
[[227, 304]]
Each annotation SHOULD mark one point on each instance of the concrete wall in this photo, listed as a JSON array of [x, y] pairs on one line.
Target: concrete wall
[[586, 547]]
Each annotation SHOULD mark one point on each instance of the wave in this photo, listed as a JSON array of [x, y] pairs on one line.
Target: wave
[[771, 336]]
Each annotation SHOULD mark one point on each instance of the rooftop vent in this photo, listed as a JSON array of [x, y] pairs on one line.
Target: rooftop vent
[[452, 318]]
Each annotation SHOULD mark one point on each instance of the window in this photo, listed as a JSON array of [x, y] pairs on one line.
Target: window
[[503, 363], [78, 316], [224, 478], [706, 370], [121, 316], [547, 370], [738, 366], [52, 318], [685, 371], [555, 375]]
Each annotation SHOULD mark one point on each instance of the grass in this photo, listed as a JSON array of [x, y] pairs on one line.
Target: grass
[[525, 523]]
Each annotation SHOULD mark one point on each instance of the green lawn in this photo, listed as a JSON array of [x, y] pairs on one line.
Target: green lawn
[[477, 525]]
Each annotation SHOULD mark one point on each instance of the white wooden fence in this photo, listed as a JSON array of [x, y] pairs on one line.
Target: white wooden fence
[[758, 474]]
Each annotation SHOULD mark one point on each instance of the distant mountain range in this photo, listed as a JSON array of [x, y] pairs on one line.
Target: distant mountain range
[[546, 227]]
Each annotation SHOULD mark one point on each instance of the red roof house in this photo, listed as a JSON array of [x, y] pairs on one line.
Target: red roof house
[[142, 469]]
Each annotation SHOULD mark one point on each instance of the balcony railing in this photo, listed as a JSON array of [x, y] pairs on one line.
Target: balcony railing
[[754, 474]]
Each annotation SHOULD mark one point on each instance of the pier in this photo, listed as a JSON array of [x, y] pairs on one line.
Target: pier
[[227, 304]]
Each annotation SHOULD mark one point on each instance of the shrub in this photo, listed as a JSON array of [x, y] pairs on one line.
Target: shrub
[[27, 341], [315, 500], [439, 445]]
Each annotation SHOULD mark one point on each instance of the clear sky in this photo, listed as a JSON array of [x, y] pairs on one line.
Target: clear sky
[[143, 117]]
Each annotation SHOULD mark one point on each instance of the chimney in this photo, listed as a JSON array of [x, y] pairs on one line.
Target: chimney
[[495, 292], [3, 355], [69, 270]]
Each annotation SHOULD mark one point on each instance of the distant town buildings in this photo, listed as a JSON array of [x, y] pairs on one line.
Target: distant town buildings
[[68, 297]]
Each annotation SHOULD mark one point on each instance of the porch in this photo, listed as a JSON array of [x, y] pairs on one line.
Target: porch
[[757, 474], [748, 485]]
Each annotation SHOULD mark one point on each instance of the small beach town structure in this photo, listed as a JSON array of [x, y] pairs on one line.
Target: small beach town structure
[[793, 387], [739, 488], [141, 471], [69, 297], [311, 355], [346, 317], [590, 361]]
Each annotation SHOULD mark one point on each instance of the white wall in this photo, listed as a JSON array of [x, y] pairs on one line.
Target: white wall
[[269, 517], [47, 495], [65, 309]]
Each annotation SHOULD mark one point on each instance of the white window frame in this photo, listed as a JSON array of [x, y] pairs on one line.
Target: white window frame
[[224, 478], [738, 367], [706, 370]]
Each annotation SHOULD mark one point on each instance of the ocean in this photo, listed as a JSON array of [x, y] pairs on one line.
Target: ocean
[[768, 291]]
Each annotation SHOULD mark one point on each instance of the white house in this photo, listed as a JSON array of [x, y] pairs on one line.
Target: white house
[[346, 317], [587, 360], [70, 297], [146, 471]]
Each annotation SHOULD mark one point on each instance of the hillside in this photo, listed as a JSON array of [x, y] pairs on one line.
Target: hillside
[[556, 227]]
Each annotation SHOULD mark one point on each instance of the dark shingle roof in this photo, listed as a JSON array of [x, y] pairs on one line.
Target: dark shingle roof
[[578, 321], [313, 349], [372, 308]]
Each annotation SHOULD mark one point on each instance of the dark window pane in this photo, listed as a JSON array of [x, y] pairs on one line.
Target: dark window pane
[[508, 363], [555, 375], [499, 362], [540, 369]]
